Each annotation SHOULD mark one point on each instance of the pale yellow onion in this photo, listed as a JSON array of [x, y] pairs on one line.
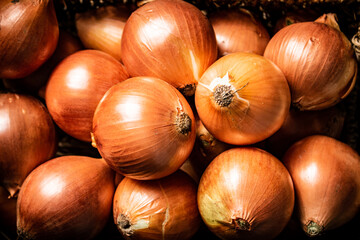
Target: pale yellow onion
[[317, 60], [242, 98]]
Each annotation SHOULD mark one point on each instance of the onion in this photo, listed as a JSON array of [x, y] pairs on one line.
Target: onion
[[326, 178], [67, 197], [27, 138], [102, 28], [28, 36], [157, 209], [171, 40], [246, 193], [144, 128], [7, 214], [83, 78], [242, 98], [237, 30], [318, 61]]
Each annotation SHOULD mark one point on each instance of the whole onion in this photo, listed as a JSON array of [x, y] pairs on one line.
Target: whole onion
[[246, 193], [68, 197], [28, 36], [27, 138], [326, 178], [318, 61], [144, 128], [171, 40], [157, 209]]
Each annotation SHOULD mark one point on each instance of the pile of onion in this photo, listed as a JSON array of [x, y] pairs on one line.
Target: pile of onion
[[68, 197], [326, 179], [246, 193], [318, 61]]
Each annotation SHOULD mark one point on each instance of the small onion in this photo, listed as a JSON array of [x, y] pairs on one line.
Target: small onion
[[237, 30], [157, 209], [144, 128], [67, 197], [318, 61], [246, 193], [326, 178], [102, 28], [83, 78], [242, 98], [28, 36], [171, 40], [27, 138]]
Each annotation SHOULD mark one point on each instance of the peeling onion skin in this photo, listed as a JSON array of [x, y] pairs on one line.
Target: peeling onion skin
[[242, 98], [68, 197], [246, 193], [157, 209], [28, 37], [237, 30], [27, 138], [144, 128], [170, 40], [318, 61], [326, 178]]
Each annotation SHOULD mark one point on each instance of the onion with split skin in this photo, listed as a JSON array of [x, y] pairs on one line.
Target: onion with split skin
[[326, 178], [171, 40], [157, 209]]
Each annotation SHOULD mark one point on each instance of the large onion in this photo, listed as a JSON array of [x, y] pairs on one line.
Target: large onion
[[326, 178], [171, 40], [144, 128], [67, 197], [28, 36], [157, 209], [242, 98], [27, 138], [246, 193], [317, 60]]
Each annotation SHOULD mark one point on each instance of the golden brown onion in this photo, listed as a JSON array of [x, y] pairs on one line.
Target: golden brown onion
[[242, 98], [144, 128], [237, 30], [326, 178], [246, 193], [318, 61], [157, 209], [67, 197], [27, 138], [171, 40], [28, 36]]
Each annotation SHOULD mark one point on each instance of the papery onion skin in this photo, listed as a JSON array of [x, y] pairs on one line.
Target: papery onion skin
[[255, 106], [83, 77], [28, 36], [318, 62], [157, 209], [237, 30], [171, 40], [326, 179], [27, 138], [144, 128], [246, 193], [68, 197]]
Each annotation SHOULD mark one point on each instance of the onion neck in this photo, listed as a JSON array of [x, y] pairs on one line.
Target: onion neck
[[329, 19], [242, 224], [313, 229], [183, 123]]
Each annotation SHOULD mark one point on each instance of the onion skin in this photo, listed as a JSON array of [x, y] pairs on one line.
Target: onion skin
[[27, 138], [83, 77], [144, 128], [326, 178], [28, 36], [157, 209], [318, 61], [171, 40], [237, 30], [246, 193], [7, 213], [67, 197], [256, 105]]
